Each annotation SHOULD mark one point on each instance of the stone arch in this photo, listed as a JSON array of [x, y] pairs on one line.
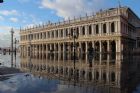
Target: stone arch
[[113, 77], [104, 77], [97, 75], [90, 76], [97, 46], [89, 43], [83, 74], [113, 46], [71, 72], [83, 46]]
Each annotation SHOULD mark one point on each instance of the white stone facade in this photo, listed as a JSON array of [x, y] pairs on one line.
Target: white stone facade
[[112, 30]]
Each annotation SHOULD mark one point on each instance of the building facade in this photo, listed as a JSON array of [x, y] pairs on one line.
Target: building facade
[[110, 31]]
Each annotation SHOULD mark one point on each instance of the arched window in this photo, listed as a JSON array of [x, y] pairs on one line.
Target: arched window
[[56, 33], [97, 29], [83, 30], [104, 28], [90, 30], [61, 33], [112, 77], [112, 27], [77, 31], [66, 32], [71, 31], [40, 35]]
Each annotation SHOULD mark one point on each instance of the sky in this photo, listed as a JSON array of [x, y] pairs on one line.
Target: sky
[[18, 14]]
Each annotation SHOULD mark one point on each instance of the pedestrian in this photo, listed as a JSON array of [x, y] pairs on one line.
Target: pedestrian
[[90, 55]]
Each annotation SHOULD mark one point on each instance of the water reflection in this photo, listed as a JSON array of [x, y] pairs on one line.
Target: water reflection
[[111, 73]]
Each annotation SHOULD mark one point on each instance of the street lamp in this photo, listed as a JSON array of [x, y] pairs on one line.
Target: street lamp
[[74, 35], [12, 33], [30, 51]]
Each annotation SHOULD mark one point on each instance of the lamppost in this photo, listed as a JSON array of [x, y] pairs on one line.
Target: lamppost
[[12, 33], [30, 51], [16, 41], [74, 35]]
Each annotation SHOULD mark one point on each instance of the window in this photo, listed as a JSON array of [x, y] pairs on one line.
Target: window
[[77, 29], [66, 32], [104, 28], [97, 29], [48, 34], [56, 33], [90, 30], [112, 27], [83, 30], [71, 31], [61, 33]]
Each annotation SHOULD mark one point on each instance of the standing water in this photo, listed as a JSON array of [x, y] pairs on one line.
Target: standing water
[[56, 73]]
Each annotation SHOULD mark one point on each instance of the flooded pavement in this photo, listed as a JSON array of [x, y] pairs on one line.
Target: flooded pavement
[[56, 74]]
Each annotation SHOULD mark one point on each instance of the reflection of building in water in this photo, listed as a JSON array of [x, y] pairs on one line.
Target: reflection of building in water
[[102, 78], [112, 30]]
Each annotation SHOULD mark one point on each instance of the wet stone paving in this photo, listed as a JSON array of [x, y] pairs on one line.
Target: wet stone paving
[[57, 73]]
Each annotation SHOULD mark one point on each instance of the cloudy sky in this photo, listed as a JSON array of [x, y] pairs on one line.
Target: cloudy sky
[[23, 13]]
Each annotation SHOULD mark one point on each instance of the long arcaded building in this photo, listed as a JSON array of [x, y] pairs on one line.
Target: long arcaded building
[[111, 30]]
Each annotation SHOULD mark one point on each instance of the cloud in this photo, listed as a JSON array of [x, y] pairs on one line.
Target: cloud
[[9, 12], [1, 18], [71, 8], [23, 1], [13, 19]]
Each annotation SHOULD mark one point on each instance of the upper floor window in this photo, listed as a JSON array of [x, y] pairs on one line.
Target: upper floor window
[[61, 33], [66, 32], [97, 29], [112, 27], [71, 31], [40, 35], [56, 33], [48, 34], [83, 30], [90, 29], [104, 28], [77, 31]]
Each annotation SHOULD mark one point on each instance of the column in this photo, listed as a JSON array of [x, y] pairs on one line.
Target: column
[[108, 54], [86, 30], [80, 50], [93, 30], [93, 45], [100, 29], [64, 33], [107, 27], [79, 30], [64, 51]]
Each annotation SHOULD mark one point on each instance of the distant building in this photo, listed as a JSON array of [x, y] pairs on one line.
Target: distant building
[[112, 30]]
